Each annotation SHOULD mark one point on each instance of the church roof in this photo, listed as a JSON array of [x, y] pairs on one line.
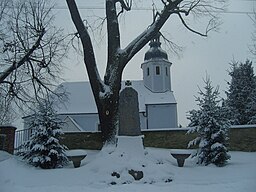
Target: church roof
[[155, 51], [81, 100]]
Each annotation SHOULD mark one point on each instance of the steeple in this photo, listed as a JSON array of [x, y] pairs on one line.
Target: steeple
[[156, 67], [155, 50]]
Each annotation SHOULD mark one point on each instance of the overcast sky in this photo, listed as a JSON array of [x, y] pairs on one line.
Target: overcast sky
[[200, 56]]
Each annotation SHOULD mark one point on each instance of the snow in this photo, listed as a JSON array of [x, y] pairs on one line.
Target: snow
[[167, 129], [38, 147], [217, 145], [95, 174], [253, 126], [76, 152], [193, 129], [106, 92], [4, 155], [135, 144], [182, 151]]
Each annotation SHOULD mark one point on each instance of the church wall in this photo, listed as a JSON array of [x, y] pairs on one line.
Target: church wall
[[88, 122], [161, 116], [158, 84], [143, 121], [148, 71], [167, 79], [69, 126], [91, 122]]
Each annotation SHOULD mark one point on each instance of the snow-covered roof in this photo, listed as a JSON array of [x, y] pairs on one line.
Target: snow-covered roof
[[81, 100]]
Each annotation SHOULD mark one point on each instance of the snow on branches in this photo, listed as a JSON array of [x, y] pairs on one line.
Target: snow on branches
[[44, 149], [241, 94], [211, 127]]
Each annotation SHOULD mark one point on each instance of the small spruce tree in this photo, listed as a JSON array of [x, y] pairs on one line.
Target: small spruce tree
[[44, 149], [211, 126]]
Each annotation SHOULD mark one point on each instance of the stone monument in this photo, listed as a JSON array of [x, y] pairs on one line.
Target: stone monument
[[129, 140], [129, 119]]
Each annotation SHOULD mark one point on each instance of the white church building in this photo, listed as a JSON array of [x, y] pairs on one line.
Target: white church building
[[157, 104]]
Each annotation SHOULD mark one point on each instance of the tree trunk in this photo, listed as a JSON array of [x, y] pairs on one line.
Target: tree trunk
[[108, 105], [108, 117]]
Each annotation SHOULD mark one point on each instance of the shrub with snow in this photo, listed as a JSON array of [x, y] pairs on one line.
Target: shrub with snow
[[44, 149], [211, 126]]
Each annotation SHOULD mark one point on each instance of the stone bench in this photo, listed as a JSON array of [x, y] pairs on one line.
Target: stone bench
[[180, 156], [76, 156]]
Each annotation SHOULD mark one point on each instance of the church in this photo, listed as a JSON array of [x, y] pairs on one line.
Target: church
[[157, 104]]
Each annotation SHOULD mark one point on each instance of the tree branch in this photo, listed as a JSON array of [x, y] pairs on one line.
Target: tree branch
[[190, 29], [15, 65], [113, 41], [173, 47], [124, 6], [89, 57], [113, 30], [138, 43]]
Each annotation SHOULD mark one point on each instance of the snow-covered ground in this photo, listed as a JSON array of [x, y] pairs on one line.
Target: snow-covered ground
[[160, 174]]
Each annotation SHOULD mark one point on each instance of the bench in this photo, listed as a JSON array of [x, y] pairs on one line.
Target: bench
[[76, 156], [181, 156]]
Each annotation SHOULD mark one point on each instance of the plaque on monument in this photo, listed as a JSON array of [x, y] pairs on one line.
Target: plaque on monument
[[129, 120]]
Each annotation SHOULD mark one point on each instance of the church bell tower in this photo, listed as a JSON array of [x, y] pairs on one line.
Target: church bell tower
[[156, 68]]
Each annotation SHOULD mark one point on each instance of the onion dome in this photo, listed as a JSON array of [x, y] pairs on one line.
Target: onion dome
[[155, 50]]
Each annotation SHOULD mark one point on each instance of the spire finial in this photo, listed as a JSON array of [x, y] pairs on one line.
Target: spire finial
[[157, 37], [155, 41]]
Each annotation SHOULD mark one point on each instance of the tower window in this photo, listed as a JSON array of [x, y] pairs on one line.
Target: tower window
[[148, 71], [157, 70], [166, 71]]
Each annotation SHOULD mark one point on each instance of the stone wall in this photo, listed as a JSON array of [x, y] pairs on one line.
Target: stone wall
[[174, 139], [7, 136], [241, 139], [82, 140]]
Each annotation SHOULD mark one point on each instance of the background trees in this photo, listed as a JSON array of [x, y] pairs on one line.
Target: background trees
[[211, 127], [106, 91], [31, 49], [241, 94], [211, 121]]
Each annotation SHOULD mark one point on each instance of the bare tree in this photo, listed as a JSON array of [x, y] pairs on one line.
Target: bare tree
[[106, 92], [31, 49]]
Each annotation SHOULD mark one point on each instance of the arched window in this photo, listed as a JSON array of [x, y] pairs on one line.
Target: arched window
[[157, 70], [148, 71]]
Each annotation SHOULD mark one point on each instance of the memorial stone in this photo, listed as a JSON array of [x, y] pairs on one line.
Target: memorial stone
[[129, 120]]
